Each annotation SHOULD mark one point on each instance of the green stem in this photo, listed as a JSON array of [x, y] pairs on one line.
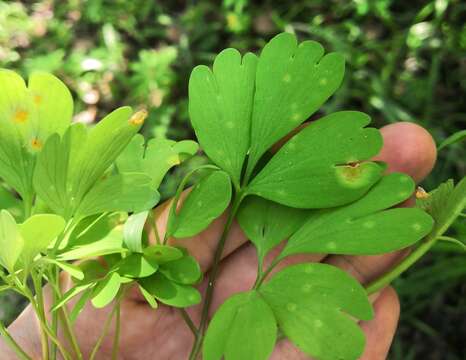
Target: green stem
[[260, 278], [406, 263], [213, 276], [189, 322], [116, 338], [154, 227], [36, 279], [12, 343]]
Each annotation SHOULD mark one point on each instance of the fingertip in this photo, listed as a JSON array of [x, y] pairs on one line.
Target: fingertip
[[408, 148]]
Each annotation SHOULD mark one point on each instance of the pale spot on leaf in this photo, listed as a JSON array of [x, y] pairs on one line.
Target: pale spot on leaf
[[369, 224], [287, 78], [323, 81], [318, 323], [417, 226], [331, 245], [291, 306], [306, 288]]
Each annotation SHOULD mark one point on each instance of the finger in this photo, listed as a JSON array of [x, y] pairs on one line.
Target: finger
[[408, 148], [380, 330], [419, 146]]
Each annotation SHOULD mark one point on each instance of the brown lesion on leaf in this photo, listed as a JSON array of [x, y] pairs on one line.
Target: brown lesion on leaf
[[350, 171], [37, 99]]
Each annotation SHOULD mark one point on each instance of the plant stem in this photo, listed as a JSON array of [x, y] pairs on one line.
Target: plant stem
[[213, 275], [116, 337], [36, 280], [260, 278], [104, 333], [12, 343], [189, 322], [154, 227], [407, 262]]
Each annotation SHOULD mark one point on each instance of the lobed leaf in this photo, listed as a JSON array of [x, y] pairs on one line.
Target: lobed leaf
[[183, 271], [136, 266], [163, 253], [220, 108], [311, 303], [365, 226], [131, 192], [292, 82], [324, 165], [244, 327], [154, 159]]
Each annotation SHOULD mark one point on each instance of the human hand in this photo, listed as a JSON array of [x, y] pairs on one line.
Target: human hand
[[162, 333]]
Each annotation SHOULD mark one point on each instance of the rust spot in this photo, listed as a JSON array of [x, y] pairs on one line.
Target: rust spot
[[351, 171], [37, 99], [138, 117], [20, 116], [36, 144], [421, 193]]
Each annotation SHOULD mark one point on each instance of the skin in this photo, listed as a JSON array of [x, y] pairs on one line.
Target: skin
[[162, 334]]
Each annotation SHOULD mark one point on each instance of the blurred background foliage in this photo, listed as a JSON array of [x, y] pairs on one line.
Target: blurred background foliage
[[406, 61]]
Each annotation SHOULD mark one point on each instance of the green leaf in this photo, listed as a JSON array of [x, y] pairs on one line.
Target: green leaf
[[39, 232], [163, 253], [11, 241], [133, 229], [28, 116], [220, 108], [137, 266], [149, 298], [244, 327], [70, 294], [311, 303], [135, 193], [454, 138], [100, 237], [206, 202], [80, 304], [292, 82], [324, 165], [445, 204], [68, 168], [183, 271], [53, 102], [170, 293], [17, 112], [73, 270], [267, 223], [365, 226], [106, 290], [155, 159]]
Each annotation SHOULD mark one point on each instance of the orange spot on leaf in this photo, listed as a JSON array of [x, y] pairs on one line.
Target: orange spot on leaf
[[21, 116], [138, 117]]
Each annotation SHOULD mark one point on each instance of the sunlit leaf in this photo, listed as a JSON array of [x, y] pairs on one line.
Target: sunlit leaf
[[69, 167], [324, 165], [122, 192], [106, 290], [368, 226], [70, 294], [155, 158], [292, 82], [169, 292], [206, 201], [72, 270], [266, 223], [244, 327], [38, 232], [311, 303], [11, 241], [220, 108], [133, 229]]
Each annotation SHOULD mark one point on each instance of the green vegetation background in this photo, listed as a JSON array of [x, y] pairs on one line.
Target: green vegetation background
[[406, 61]]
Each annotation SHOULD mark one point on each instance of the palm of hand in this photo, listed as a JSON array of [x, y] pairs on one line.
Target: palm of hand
[[162, 334]]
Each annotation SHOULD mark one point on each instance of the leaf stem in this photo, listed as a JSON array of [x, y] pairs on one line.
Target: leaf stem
[[260, 278], [406, 263], [36, 280], [213, 275], [104, 333], [116, 337], [12, 343], [189, 322]]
